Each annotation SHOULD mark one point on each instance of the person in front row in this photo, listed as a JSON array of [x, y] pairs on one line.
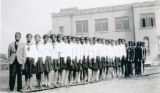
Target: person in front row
[[39, 61], [16, 58], [30, 60]]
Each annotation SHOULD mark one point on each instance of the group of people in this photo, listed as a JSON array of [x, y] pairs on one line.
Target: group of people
[[66, 60]]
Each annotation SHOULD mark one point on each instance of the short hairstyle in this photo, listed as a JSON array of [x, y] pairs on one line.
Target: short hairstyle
[[37, 35], [52, 35], [18, 33], [46, 35], [28, 35]]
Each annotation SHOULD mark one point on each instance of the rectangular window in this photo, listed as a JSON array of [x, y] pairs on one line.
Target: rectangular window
[[147, 20], [82, 27], [101, 25], [122, 23]]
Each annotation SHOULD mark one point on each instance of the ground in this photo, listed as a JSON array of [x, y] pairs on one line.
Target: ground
[[148, 83]]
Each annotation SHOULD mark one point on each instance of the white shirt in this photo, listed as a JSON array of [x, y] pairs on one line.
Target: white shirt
[[98, 50], [78, 51], [40, 51], [123, 50], [73, 50], [86, 49], [54, 53], [30, 51], [48, 48]]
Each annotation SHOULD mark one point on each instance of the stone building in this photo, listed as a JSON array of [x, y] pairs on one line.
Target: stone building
[[136, 22]]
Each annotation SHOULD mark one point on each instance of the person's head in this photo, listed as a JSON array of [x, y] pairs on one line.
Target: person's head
[[143, 44], [119, 41], [91, 41], [53, 38], [138, 44], [37, 38], [65, 39], [59, 37], [45, 38], [86, 39], [69, 38], [123, 41], [112, 42], [94, 40], [107, 41], [98, 40], [116, 42], [103, 40], [29, 37], [73, 39], [82, 40], [129, 43], [17, 36], [77, 40]]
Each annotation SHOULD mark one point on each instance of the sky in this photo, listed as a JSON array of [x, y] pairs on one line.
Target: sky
[[34, 16]]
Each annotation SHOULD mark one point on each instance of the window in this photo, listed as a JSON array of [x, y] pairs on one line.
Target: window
[[61, 29], [101, 25], [122, 23], [146, 41], [147, 20], [82, 27]]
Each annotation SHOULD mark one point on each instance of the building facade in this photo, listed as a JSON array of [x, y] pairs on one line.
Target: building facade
[[136, 22]]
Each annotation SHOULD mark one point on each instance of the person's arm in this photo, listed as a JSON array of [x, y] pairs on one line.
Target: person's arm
[[9, 52]]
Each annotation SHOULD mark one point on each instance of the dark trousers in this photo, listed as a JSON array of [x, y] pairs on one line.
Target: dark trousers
[[137, 67], [15, 70]]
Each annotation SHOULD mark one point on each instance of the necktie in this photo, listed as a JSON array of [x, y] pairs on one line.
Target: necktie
[[16, 46]]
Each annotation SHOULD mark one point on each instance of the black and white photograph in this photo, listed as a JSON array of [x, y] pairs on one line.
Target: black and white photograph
[[79, 46]]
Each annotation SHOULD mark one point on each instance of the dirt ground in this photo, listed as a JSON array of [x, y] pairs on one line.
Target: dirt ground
[[148, 83]]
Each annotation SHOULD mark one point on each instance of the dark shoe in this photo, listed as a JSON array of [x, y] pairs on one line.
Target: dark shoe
[[19, 90]]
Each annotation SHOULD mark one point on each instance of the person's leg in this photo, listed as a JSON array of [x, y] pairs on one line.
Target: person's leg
[[12, 76], [19, 77]]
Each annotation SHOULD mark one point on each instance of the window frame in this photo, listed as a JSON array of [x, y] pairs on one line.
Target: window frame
[[120, 21], [101, 22], [148, 16], [82, 27]]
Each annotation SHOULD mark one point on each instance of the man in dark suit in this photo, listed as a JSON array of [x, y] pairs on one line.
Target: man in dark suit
[[138, 59], [16, 58]]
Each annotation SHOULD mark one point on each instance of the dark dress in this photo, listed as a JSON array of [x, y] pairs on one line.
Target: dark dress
[[39, 65], [29, 66], [47, 65]]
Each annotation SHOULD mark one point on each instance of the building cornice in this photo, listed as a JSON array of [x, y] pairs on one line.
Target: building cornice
[[75, 11]]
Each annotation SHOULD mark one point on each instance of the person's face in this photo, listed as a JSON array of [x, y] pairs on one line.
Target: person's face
[[46, 39], [29, 38], [77, 41], [37, 38], [82, 41], [103, 41], [65, 40], [98, 41], [53, 38], [91, 41], [74, 40], [59, 39], [17, 37], [94, 41]]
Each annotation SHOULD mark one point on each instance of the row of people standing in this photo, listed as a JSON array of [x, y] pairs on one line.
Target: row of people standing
[[66, 60]]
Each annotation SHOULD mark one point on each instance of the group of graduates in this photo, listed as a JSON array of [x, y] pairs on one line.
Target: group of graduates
[[67, 60]]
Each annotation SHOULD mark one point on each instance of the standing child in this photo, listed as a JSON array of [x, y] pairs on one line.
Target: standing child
[[39, 59], [29, 64], [48, 58]]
